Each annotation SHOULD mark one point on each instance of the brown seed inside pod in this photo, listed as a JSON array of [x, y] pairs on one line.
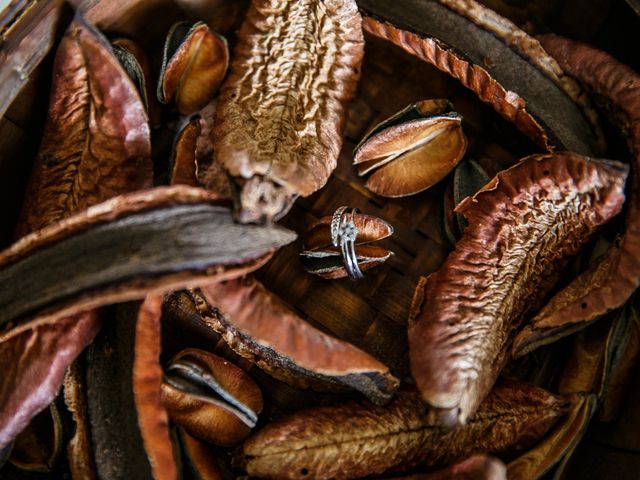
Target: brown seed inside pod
[[412, 150], [210, 398]]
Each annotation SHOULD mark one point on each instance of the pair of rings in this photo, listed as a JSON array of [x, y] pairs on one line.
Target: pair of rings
[[344, 234]]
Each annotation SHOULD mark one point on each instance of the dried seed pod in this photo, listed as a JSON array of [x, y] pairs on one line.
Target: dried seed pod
[[611, 281], [210, 398], [523, 226], [38, 446], [468, 178], [259, 326], [513, 84], [279, 129], [412, 150], [194, 63], [90, 93], [183, 159], [320, 257], [354, 440], [476, 467], [559, 444]]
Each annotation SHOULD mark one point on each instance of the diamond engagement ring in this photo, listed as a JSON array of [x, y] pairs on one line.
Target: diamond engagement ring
[[344, 234]]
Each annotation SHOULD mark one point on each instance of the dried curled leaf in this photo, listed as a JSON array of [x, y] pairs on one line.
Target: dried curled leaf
[[320, 257], [359, 439], [258, 325], [194, 63], [210, 398], [513, 85], [609, 283], [523, 226], [282, 107], [412, 150], [476, 467], [179, 236], [96, 125]]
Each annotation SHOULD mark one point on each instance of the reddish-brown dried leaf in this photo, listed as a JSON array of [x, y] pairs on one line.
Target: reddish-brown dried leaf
[[153, 419], [610, 282], [523, 226], [33, 364], [96, 142], [258, 325], [476, 467], [359, 439], [282, 108]]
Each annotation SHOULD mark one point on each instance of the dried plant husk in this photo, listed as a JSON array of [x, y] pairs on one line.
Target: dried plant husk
[[515, 86], [38, 446], [320, 257], [559, 443], [194, 63], [476, 467], [257, 325], [360, 439], [607, 284], [468, 178], [198, 458], [183, 160], [210, 398], [279, 129], [87, 136], [523, 227], [198, 242], [412, 150]]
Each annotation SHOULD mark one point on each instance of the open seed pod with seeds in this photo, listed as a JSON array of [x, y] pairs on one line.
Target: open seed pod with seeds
[[178, 294]]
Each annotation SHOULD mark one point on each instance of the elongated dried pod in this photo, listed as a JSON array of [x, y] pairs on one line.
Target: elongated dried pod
[[194, 63], [523, 226], [476, 467], [320, 257], [210, 398], [279, 129], [359, 439], [91, 93], [412, 150], [610, 282], [559, 443], [259, 326], [515, 86]]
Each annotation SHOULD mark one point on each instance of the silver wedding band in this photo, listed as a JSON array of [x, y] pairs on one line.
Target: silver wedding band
[[344, 234]]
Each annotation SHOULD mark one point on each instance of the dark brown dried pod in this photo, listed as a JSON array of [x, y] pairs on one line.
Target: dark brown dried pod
[[513, 84], [210, 398], [560, 442], [259, 326], [523, 226], [412, 150], [279, 129], [87, 135], [476, 467], [320, 257], [194, 63], [359, 439], [38, 446], [611, 281], [183, 159]]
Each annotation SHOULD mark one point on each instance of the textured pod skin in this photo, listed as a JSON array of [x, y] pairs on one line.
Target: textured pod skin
[[96, 142], [476, 467], [353, 440], [609, 283], [282, 125], [523, 226], [213, 420], [259, 326]]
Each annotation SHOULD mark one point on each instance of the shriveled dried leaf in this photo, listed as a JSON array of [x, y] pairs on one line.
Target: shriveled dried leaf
[[483, 62], [609, 283], [195, 61], [359, 439], [279, 129], [523, 226], [259, 326], [97, 125]]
